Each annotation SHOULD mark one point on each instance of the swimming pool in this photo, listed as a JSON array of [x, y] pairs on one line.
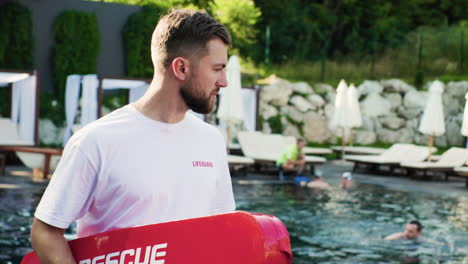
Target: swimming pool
[[333, 226]]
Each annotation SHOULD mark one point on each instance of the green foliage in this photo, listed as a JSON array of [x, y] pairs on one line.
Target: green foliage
[[275, 124], [137, 34], [76, 47], [240, 17], [16, 38]]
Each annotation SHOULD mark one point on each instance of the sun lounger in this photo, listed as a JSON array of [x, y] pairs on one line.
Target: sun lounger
[[454, 157], [391, 158], [349, 150], [45, 159], [462, 172]]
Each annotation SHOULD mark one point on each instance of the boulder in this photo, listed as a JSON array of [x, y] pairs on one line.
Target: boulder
[[454, 137], [292, 130], [375, 105], [396, 86], [302, 104], [267, 110], [316, 100], [409, 113], [457, 89], [277, 92], [302, 88], [369, 87], [392, 122], [293, 113], [415, 99], [316, 128], [323, 88], [395, 100], [364, 137]]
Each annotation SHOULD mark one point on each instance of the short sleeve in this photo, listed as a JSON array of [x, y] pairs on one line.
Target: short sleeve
[[70, 191]]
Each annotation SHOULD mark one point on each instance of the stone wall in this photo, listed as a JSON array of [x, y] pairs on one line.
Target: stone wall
[[391, 111]]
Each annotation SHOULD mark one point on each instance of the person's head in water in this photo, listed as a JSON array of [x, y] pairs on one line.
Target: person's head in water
[[192, 47], [413, 230], [346, 178]]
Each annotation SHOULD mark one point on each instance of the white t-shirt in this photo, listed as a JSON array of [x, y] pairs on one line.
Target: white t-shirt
[[127, 170]]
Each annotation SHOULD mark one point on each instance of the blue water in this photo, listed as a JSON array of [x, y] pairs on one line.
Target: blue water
[[332, 226]]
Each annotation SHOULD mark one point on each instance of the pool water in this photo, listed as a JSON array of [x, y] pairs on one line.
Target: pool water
[[332, 226]]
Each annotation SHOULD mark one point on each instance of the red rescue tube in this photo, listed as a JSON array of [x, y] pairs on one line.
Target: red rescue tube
[[232, 238]]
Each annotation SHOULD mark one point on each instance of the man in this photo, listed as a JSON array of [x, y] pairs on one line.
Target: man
[[346, 179], [412, 232], [292, 159], [151, 161]]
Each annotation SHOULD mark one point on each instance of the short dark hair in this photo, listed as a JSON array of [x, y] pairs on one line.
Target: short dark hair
[[418, 224], [299, 140], [184, 33]]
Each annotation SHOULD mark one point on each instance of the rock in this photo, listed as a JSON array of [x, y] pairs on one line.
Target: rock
[[292, 130], [392, 122], [405, 136], [316, 128], [316, 100], [370, 87], [420, 139], [454, 137], [302, 104], [277, 93], [365, 137], [457, 89], [409, 113], [293, 113], [395, 100], [452, 105], [389, 136], [302, 88], [266, 128], [368, 123], [328, 110], [267, 111], [323, 88], [375, 105], [412, 124], [415, 99], [396, 86], [441, 141]]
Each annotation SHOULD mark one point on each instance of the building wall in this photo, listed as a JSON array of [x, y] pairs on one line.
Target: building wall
[[111, 19]]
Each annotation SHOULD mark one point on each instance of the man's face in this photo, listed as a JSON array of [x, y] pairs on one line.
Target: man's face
[[206, 79], [300, 145], [411, 231]]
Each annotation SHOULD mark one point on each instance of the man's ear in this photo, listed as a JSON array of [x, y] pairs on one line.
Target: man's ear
[[180, 67]]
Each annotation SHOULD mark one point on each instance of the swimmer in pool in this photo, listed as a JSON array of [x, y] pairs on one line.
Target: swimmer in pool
[[413, 231]]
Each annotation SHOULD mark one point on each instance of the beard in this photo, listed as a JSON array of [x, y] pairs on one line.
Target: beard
[[194, 98]]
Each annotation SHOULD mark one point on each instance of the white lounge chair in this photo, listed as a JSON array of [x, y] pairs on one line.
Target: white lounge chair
[[391, 158], [462, 172], [448, 161]]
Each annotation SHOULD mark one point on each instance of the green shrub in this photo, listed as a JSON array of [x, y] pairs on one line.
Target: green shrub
[[137, 34], [76, 48], [16, 38]]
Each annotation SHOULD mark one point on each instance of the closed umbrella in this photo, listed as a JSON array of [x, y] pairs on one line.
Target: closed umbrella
[[432, 121], [354, 113], [464, 129], [230, 106], [340, 118]]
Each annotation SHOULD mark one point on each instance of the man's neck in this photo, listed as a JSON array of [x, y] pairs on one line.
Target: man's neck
[[162, 101]]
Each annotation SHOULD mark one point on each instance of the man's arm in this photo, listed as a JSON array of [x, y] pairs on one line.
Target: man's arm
[[50, 244], [394, 236]]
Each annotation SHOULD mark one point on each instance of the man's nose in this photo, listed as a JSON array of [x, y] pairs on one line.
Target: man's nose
[[222, 81]]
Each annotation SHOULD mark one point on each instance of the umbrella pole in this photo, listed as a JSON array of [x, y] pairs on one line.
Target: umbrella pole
[[351, 136], [431, 143], [228, 137], [342, 142]]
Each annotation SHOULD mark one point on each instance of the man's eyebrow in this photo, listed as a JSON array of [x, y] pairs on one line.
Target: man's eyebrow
[[223, 65]]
